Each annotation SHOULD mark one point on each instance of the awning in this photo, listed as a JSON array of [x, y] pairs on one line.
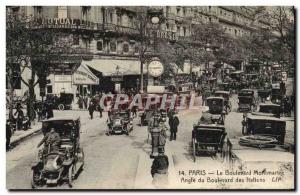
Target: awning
[[83, 76], [110, 67]]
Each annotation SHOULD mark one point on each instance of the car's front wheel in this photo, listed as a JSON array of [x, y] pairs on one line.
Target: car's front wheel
[[61, 107]]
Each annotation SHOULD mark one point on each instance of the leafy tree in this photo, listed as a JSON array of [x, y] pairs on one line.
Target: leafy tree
[[35, 49]]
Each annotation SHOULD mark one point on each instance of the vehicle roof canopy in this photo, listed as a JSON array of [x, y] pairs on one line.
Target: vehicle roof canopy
[[214, 98], [263, 117], [222, 92], [69, 118]]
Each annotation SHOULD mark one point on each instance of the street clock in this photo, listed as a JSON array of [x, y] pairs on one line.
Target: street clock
[[155, 68]]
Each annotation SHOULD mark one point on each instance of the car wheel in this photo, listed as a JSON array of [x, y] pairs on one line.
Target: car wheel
[[194, 149], [61, 107], [34, 180], [71, 175]]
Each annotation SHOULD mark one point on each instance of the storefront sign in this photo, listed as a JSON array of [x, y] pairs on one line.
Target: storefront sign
[[83, 76], [155, 68], [163, 34], [62, 23], [116, 79], [62, 78]]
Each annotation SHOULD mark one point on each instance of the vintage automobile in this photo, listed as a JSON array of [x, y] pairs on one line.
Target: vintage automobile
[[257, 124], [269, 108], [247, 100], [208, 138], [216, 107], [263, 94], [119, 122], [225, 95], [269, 157], [276, 93], [64, 165], [63, 102], [226, 86]]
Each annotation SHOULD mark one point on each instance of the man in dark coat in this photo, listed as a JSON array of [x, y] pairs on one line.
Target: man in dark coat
[[52, 140], [159, 171], [173, 122], [8, 134], [20, 116], [49, 111], [91, 109]]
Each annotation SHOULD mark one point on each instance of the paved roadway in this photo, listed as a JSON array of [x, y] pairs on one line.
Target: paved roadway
[[120, 161]]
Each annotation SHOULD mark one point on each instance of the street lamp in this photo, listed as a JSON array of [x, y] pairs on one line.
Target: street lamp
[[208, 49]]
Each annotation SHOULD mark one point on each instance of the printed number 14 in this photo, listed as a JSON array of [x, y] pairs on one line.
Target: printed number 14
[[181, 172]]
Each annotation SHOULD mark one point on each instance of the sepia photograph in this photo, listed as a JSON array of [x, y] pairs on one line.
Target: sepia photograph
[[150, 97]]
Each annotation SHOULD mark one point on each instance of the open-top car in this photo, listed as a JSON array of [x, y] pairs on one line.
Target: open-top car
[[119, 122], [226, 96], [216, 108], [63, 165], [208, 138]]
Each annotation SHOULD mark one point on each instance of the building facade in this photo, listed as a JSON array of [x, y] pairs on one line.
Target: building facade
[[109, 37]]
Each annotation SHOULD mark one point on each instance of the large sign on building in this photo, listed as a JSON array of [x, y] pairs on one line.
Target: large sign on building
[[83, 76], [63, 23]]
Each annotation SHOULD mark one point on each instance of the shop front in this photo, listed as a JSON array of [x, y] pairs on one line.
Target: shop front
[[83, 80], [117, 75]]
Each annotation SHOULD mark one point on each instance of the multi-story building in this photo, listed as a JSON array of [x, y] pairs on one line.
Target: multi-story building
[[108, 39]]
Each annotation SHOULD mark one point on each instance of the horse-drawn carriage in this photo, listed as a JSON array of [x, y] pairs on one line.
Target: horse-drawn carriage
[[208, 138], [55, 167]]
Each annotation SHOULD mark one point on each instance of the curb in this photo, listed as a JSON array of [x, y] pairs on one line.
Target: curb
[[15, 142]]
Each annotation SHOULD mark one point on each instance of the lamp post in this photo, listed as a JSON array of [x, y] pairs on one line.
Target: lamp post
[[152, 16]]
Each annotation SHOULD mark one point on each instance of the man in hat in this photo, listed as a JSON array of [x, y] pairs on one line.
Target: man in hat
[[8, 134], [159, 171], [20, 116], [51, 139], [173, 122], [91, 109]]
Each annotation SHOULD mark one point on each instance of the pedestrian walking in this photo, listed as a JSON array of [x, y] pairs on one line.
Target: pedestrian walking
[[100, 109], [20, 116], [173, 122], [91, 109], [85, 102], [49, 111], [8, 134], [133, 111]]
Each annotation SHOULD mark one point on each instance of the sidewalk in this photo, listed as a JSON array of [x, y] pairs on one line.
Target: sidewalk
[[19, 136]]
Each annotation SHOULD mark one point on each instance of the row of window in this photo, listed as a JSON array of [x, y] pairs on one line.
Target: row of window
[[113, 47]]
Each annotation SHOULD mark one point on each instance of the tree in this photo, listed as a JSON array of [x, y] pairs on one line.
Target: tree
[[282, 23], [23, 47], [32, 48]]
